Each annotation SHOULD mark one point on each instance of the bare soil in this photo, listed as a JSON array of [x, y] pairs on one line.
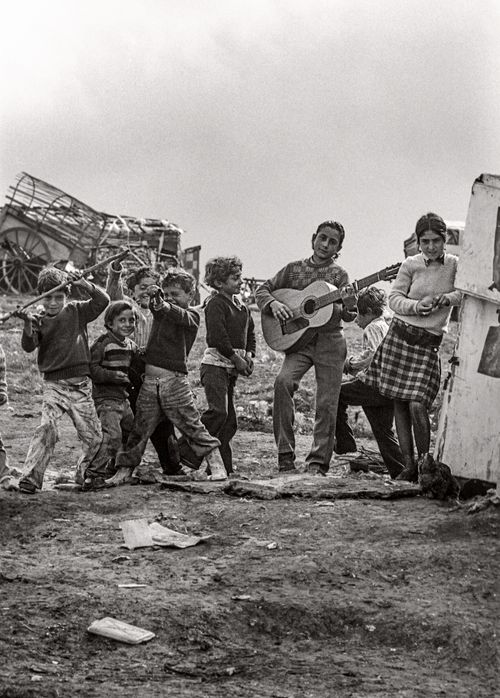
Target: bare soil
[[287, 599]]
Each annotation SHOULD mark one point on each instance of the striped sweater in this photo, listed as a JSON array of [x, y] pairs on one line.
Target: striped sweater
[[108, 356]]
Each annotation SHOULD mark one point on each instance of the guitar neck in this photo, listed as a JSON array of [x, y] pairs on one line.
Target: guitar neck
[[336, 295]]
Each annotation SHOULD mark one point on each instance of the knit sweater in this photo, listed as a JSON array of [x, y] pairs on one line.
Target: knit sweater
[[414, 281], [108, 356], [298, 275], [62, 339], [3, 377], [172, 336], [230, 326]]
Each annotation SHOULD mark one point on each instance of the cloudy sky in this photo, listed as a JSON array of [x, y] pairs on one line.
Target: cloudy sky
[[248, 122]]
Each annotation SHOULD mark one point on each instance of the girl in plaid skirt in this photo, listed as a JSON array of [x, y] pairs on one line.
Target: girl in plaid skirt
[[406, 365]]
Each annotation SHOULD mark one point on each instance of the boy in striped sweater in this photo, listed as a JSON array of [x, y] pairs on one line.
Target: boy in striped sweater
[[111, 356]]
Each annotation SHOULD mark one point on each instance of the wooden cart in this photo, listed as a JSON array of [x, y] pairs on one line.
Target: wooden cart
[[41, 224]]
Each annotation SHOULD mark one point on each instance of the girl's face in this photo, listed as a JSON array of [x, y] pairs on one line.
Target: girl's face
[[139, 291], [432, 245], [123, 325], [232, 285]]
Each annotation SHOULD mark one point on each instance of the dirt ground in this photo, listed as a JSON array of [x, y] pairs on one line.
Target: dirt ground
[[364, 597], [289, 598]]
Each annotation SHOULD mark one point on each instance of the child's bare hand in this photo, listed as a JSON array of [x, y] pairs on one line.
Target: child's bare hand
[[440, 301], [240, 365], [425, 306], [24, 315], [122, 377], [154, 290]]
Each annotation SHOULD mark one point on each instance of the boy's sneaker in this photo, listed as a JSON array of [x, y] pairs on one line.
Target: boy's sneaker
[[27, 487], [92, 484]]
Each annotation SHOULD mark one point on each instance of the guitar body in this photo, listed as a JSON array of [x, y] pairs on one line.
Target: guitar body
[[311, 307], [305, 315]]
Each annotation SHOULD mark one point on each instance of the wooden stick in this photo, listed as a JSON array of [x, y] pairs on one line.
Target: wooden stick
[[116, 257]]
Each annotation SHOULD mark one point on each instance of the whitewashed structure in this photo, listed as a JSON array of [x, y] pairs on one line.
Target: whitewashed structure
[[468, 437]]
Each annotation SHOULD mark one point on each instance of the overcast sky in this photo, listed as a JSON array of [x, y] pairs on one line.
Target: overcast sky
[[248, 122]]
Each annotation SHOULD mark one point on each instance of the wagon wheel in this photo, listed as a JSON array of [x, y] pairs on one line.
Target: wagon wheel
[[22, 254]]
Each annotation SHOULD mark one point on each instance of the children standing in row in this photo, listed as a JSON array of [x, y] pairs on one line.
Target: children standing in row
[[166, 390], [60, 335], [230, 352]]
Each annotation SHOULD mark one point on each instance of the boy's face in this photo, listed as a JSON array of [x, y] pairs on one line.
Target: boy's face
[[177, 295], [232, 285], [139, 291], [364, 319], [54, 303], [123, 324], [325, 244]]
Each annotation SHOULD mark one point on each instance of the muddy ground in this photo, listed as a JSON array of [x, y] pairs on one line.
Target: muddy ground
[[288, 599]]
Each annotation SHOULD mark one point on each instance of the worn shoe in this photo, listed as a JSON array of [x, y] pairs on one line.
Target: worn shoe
[[315, 469], [409, 473], [217, 469], [9, 483], [27, 487], [92, 484], [286, 463]]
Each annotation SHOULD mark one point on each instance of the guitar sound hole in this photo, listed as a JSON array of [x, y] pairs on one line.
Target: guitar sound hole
[[309, 307]]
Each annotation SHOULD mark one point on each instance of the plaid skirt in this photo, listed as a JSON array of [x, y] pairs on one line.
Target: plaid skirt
[[405, 372]]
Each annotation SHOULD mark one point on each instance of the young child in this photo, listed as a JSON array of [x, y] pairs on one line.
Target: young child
[[230, 352], [111, 356], [60, 335], [137, 282], [379, 410], [166, 390], [7, 479]]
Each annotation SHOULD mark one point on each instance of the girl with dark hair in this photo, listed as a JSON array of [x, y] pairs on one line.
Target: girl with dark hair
[[406, 365]]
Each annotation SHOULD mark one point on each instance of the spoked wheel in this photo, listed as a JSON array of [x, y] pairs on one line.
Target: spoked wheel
[[22, 254]]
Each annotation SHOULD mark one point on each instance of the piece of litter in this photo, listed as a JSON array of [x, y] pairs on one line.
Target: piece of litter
[[370, 628], [272, 546], [168, 537], [120, 558], [325, 504], [242, 597], [132, 586], [118, 630], [136, 533]]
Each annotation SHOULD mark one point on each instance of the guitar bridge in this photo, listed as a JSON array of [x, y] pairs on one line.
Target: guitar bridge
[[291, 326]]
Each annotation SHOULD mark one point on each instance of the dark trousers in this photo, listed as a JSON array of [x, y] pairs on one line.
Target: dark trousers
[[220, 416], [379, 411], [165, 429]]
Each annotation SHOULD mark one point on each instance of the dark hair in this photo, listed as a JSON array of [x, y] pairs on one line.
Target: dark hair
[[372, 300], [137, 275], [50, 277], [114, 309], [219, 269], [335, 226], [176, 276], [430, 222]]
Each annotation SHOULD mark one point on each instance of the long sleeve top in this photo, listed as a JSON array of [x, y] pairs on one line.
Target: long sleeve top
[[230, 329], [298, 275], [110, 355], [172, 336], [144, 316], [62, 340], [414, 281], [373, 334]]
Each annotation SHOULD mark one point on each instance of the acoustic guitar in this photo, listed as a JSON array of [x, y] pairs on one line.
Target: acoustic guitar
[[311, 307]]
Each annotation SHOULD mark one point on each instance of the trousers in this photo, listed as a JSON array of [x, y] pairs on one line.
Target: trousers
[[326, 352]]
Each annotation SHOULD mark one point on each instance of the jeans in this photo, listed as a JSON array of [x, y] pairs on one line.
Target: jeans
[[58, 398], [220, 416], [170, 396], [379, 411], [117, 419], [326, 352]]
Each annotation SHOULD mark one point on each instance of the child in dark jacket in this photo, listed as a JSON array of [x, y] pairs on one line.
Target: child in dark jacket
[[230, 353], [166, 390], [111, 356], [60, 335]]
